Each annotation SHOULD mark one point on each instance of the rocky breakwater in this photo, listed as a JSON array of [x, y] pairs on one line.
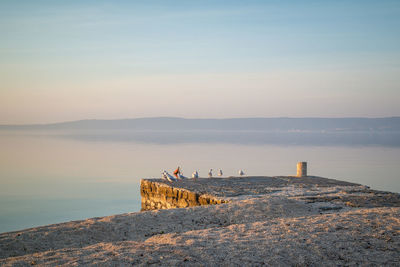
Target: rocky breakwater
[[158, 194]]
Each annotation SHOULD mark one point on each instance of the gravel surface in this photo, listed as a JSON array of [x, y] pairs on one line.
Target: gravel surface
[[250, 185], [285, 223]]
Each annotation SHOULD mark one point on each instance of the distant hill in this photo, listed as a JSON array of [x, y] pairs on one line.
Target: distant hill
[[239, 124]]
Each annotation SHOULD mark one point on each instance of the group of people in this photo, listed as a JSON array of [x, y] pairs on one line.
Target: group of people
[[177, 174]]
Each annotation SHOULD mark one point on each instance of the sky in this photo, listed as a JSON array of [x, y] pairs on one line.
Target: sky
[[72, 60]]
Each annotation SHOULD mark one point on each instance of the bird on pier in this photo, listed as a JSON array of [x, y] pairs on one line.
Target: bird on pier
[[168, 176], [164, 175], [241, 173], [210, 173], [195, 175], [220, 173]]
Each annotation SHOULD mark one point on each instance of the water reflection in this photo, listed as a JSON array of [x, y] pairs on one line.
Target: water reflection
[[390, 139]]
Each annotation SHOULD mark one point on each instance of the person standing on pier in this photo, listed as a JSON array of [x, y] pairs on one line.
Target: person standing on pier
[[177, 172]]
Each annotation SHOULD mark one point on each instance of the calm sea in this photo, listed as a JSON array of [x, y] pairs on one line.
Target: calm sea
[[47, 179]]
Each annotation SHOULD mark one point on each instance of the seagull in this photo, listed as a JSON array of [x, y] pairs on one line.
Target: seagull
[[220, 173], [195, 175], [241, 173], [164, 176], [210, 174], [169, 176]]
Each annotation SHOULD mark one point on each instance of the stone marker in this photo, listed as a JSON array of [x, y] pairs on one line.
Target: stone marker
[[301, 169]]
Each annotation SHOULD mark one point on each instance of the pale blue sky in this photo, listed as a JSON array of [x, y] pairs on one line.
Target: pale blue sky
[[68, 60]]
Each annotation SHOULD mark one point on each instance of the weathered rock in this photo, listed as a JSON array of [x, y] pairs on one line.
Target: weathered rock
[[157, 195]]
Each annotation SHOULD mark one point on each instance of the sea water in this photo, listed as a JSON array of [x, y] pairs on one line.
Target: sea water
[[52, 178]]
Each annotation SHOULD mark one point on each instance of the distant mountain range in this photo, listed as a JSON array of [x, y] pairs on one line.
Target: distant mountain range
[[388, 124]]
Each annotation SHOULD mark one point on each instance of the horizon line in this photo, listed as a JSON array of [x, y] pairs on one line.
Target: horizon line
[[183, 118]]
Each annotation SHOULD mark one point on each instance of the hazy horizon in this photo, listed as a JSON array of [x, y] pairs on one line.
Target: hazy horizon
[[190, 118]]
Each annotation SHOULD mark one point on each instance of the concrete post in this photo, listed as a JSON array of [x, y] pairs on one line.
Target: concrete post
[[301, 169]]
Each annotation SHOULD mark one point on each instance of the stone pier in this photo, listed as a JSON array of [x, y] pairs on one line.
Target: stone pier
[[159, 195]]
